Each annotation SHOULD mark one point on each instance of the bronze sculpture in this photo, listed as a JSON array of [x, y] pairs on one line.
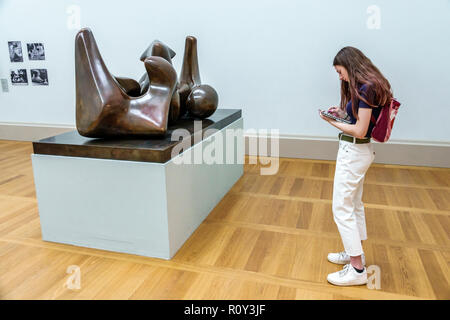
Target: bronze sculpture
[[197, 99], [157, 48], [108, 106]]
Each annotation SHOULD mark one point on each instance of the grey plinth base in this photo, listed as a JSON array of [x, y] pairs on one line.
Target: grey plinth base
[[137, 207]]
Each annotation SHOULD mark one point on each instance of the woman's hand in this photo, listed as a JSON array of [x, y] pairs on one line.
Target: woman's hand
[[335, 110], [359, 129]]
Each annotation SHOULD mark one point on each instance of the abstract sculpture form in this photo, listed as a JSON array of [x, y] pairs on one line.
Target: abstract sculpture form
[[197, 99], [108, 106], [157, 48]]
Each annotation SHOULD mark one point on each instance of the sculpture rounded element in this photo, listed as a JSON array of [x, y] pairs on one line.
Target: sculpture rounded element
[[202, 101]]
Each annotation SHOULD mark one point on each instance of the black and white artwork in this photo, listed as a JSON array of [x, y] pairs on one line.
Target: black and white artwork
[[15, 51], [39, 77], [19, 77], [35, 51]]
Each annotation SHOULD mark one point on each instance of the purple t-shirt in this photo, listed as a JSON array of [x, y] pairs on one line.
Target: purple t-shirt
[[362, 104]]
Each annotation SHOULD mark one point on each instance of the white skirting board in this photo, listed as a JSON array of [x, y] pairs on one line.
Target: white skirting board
[[419, 153], [414, 153], [141, 208], [31, 131]]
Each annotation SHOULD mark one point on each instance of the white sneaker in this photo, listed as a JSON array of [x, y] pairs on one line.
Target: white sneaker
[[348, 277], [343, 258]]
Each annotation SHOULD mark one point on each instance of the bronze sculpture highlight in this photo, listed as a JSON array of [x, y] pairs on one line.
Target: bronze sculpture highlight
[[109, 106]]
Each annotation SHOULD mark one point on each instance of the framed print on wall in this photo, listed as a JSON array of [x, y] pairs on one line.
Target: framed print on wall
[[39, 77], [19, 77], [36, 51], [15, 51]]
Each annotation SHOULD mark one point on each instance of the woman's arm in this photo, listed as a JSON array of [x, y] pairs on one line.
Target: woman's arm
[[357, 130]]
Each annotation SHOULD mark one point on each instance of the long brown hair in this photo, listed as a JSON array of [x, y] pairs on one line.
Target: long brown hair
[[361, 71]]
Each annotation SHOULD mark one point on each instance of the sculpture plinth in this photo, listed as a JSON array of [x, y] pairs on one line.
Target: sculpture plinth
[[87, 197]]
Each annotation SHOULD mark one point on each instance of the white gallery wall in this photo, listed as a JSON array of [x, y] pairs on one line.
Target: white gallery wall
[[273, 59]]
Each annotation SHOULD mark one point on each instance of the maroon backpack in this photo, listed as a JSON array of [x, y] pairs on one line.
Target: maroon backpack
[[383, 125]]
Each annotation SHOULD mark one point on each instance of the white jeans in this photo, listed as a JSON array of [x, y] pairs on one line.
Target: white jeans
[[352, 162]]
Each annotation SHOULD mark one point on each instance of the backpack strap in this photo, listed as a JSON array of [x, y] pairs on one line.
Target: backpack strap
[[372, 119]]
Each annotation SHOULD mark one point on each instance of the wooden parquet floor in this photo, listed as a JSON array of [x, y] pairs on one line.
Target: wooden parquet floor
[[267, 239]]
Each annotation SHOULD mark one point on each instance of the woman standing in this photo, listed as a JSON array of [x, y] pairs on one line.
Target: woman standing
[[364, 90]]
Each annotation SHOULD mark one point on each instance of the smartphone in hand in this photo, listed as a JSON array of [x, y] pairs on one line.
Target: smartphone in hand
[[334, 117]]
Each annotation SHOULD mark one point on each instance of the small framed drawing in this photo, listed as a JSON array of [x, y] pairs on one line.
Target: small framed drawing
[[35, 51], [39, 77], [19, 77], [15, 51]]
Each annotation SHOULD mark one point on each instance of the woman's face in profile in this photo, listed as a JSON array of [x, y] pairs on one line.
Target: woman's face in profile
[[343, 74]]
